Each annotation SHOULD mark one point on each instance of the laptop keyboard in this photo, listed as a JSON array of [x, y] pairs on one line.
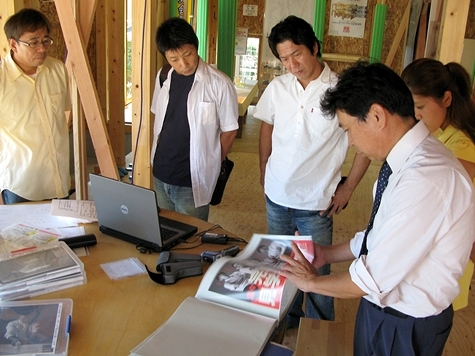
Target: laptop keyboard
[[166, 233]]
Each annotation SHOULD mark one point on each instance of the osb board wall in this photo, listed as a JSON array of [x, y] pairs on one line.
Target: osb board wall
[[58, 49], [254, 24], [470, 31], [361, 46]]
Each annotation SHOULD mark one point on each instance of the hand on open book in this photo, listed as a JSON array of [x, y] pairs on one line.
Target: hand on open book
[[298, 270]]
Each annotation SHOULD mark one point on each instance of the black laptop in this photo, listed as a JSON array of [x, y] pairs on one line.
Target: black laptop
[[131, 213]]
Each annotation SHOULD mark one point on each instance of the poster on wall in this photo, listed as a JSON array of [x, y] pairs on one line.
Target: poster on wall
[[241, 41], [347, 18]]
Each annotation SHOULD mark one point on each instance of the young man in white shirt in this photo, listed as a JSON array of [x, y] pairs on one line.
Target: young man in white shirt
[[301, 151], [196, 121]]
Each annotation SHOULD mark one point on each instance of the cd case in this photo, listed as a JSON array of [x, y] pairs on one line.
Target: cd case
[[35, 327], [35, 271], [123, 268]]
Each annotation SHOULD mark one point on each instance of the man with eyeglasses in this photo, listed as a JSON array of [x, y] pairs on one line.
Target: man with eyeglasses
[[34, 132]]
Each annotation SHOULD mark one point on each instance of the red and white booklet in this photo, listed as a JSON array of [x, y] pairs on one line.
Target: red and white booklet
[[240, 301], [251, 279]]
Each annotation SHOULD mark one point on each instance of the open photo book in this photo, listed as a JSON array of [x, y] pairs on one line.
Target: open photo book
[[239, 303]]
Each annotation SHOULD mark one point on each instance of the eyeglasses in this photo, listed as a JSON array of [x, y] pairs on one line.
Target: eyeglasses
[[48, 41]]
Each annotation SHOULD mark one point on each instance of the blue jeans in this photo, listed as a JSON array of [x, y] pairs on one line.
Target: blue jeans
[[9, 197], [180, 199], [285, 221]]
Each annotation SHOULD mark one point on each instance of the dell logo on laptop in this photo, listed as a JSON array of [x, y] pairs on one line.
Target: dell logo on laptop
[[124, 209]]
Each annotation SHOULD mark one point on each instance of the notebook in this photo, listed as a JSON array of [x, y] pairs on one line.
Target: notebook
[[131, 213]]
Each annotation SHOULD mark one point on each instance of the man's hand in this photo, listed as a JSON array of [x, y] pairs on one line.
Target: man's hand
[[298, 270], [339, 200]]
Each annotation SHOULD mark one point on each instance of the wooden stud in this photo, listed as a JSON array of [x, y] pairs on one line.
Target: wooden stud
[[422, 33], [116, 77], [454, 23], [433, 28], [141, 92]]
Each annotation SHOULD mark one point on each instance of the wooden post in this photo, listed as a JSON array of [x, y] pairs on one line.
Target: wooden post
[[212, 31], [115, 15], [142, 127]]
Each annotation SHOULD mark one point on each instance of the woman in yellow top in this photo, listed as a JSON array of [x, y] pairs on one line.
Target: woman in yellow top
[[443, 101]]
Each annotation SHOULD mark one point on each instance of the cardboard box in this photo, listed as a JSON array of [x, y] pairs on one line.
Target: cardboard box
[[320, 337]]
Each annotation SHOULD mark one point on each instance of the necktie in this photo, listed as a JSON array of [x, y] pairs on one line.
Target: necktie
[[383, 177]]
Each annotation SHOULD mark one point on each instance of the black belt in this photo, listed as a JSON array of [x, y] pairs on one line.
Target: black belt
[[390, 311]]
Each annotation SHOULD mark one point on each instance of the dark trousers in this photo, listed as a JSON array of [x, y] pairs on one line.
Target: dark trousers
[[386, 332]]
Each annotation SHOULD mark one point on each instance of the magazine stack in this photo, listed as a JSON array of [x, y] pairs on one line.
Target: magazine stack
[[33, 271]]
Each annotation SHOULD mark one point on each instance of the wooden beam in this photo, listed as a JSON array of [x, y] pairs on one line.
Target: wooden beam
[[452, 34], [82, 72], [339, 57]]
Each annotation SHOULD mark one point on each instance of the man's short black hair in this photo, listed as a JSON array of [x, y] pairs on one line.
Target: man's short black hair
[[365, 84], [173, 33], [294, 29], [25, 20]]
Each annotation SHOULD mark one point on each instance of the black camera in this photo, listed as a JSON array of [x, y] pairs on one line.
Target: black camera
[[211, 256]]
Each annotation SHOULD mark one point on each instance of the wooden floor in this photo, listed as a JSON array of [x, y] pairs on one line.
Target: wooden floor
[[242, 212]]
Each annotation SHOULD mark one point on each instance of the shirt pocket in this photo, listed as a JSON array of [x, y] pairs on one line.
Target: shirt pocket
[[207, 113]]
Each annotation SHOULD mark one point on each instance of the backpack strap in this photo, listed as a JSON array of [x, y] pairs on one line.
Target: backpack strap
[[164, 73]]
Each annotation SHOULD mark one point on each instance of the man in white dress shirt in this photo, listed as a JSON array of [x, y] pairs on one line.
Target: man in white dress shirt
[[420, 241]]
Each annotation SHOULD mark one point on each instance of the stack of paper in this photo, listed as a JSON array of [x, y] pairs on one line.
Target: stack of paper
[[38, 270]]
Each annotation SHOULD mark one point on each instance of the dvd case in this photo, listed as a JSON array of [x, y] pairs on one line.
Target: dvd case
[[35, 327]]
